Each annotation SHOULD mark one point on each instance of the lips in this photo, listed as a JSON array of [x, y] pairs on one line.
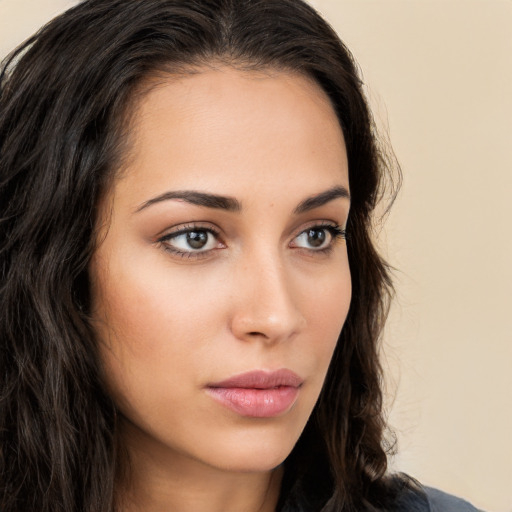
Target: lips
[[258, 394]]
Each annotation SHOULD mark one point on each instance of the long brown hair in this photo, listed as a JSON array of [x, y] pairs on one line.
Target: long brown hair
[[63, 103]]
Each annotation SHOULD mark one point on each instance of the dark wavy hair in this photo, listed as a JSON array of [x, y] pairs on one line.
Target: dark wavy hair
[[65, 101]]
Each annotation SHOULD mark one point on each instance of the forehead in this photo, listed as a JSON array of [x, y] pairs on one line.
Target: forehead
[[227, 130]]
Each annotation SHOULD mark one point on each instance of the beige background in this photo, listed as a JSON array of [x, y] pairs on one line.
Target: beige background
[[439, 75]]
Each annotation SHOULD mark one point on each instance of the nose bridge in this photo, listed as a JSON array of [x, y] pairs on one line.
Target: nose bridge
[[266, 307]]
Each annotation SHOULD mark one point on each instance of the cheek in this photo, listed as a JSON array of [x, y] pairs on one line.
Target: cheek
[[147, 305], [326, 299], [153, 325]]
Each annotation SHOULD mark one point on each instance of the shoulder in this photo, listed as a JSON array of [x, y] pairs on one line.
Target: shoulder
[[441, 502], [403, 494], [418, 498]]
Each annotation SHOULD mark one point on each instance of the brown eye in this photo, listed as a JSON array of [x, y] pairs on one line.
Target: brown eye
[[314, 238], [318, 238], [191, 241], [197, 239]]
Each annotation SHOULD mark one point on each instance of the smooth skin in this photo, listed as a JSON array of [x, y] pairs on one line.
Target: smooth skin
[[187, 291]]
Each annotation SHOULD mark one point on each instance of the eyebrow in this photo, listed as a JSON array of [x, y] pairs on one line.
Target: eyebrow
[[198, 198], [318, 200], [233, 205]]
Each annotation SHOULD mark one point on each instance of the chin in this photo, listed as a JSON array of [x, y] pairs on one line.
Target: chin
[[253, 450]]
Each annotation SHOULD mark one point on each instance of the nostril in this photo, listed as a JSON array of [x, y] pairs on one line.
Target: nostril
[[256, 333]]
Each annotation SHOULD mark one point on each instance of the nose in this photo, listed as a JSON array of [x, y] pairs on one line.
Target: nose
[[266, 306]]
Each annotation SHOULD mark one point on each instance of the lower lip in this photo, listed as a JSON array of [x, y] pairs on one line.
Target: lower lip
[[256, 403]]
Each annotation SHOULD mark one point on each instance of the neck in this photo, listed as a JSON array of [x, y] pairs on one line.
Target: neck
[[157, 480]]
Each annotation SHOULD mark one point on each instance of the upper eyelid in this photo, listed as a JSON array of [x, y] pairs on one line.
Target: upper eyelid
[[184, 228], [335, 229], [319, 223]]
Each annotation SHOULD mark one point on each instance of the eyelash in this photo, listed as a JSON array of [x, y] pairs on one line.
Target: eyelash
[[335, 231]]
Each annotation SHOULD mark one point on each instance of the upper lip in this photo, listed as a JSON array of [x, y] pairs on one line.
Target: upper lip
[[261, 379]]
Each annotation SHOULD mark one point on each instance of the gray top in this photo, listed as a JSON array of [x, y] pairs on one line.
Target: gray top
[[439, 501], [410, 496]]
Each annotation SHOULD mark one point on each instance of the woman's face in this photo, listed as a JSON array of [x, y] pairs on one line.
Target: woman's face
[[221, 280]]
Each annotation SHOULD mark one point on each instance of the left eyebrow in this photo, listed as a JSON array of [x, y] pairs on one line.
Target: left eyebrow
[[322, 198], [198, 198]]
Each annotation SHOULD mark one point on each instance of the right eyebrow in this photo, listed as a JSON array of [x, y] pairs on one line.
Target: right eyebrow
[[322, 198], [198, 198]]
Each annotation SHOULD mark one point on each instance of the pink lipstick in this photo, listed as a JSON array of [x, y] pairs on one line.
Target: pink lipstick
[[258, 394]]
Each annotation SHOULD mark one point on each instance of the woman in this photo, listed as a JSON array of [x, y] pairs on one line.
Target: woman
[[189, 313]]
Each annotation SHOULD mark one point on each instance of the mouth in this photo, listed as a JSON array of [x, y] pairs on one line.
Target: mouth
[[258, 394]]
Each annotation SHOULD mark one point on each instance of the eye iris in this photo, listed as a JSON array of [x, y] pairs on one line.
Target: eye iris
[[316, 237], [197, 239]]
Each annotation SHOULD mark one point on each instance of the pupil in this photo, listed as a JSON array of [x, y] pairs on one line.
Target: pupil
[[197, 239], [316, 237]]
